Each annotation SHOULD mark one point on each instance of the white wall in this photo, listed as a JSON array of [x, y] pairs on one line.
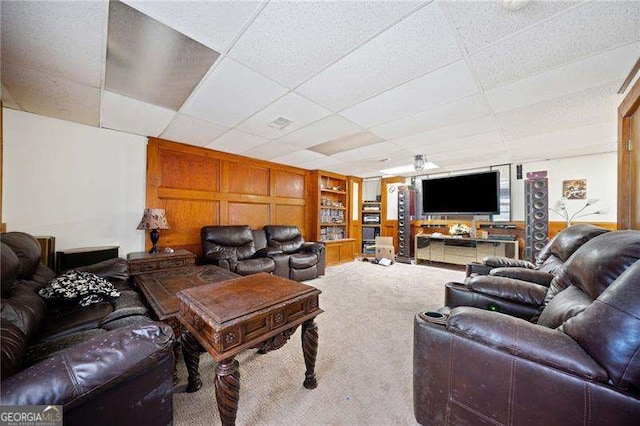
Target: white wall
[[600, 171], [81, 184]]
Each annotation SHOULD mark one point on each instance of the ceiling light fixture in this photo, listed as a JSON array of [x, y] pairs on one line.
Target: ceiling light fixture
[[419, 163]]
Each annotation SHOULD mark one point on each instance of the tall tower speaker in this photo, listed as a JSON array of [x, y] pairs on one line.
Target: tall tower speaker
[[536, 195], [407, 204]]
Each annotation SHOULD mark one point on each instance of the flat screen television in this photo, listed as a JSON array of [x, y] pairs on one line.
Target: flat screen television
[[477, 194]]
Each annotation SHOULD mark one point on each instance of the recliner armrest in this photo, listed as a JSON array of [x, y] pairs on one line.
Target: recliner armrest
[[507, 288], [93, 366], [524, 274], [523, 339], [501, 262], [115, 269], [311, 247], [477, 268]]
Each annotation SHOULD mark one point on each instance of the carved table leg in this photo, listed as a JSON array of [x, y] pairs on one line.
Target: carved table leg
[[228, 390], [191, 351], [310, 349]]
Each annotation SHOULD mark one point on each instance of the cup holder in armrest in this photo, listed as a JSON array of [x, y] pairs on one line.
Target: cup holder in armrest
[[434, 317]]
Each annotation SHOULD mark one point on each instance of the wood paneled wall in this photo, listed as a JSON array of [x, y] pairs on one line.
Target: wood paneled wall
[[198, 186]]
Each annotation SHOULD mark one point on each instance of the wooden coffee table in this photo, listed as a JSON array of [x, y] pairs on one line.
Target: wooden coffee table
[[160, 289], [258, 311]]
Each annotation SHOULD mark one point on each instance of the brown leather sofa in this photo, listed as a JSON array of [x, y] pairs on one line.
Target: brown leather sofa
[[280, 250], [304, 260], [232, 247], [579, 363], [107, 362], [516, 286]]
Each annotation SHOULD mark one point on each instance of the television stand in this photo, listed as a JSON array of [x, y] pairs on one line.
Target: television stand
[[460, 251]]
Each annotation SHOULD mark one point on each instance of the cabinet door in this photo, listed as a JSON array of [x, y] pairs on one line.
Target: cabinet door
[[485, 249], [346, 251], [501, 249], [333, 254], [436, 250]]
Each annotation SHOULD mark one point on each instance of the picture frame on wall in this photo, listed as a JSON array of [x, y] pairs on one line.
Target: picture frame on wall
[[574, 189]]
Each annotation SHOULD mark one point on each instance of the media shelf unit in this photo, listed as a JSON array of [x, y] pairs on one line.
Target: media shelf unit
[[370, 225], [330, 200], [460, 251]]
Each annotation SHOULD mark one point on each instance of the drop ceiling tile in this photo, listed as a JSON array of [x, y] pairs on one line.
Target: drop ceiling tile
[[231, 93], [594, 105], [445, 115], [487, 155], [439, 87], [464, 146], [269, 150], [292, 106], [291, 41], [65, 39], [321, 163], [421, 43], [7, 99], [151, 62], [482, 23], [478, 126], [52, 96], [350, 169], [298, 157], [346, 143], [327, 129], [132, 116], [376, 151], [587, 29], [191, 130], [609, 66], [214, 24], [561, 143], [236, 142]]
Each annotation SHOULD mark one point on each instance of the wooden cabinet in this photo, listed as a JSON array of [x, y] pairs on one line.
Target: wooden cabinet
[[340, 251], [142, 262], [461, 251], [330, 224]]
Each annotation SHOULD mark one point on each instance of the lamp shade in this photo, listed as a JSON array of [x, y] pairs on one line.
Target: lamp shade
[[153, 219]]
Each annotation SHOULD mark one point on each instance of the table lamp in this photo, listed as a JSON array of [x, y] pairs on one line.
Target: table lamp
[[153, 219]]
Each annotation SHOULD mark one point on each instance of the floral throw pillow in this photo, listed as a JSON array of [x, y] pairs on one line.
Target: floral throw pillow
[[83, 288]]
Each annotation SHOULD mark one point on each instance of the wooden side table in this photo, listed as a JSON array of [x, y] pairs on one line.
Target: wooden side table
[[143, 262], [258, 311]]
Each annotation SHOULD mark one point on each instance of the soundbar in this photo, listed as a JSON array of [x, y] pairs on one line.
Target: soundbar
[[497, 226], [502, 237]]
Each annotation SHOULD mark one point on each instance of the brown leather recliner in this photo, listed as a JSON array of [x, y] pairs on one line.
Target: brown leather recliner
[[304, 260], [106, 358], [232, 247], [519, 289], [579, 364]]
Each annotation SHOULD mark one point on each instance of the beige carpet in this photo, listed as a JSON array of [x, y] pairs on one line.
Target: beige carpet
[[364, 364]]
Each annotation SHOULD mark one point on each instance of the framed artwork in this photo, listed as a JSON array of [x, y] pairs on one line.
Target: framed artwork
[[575, 189]]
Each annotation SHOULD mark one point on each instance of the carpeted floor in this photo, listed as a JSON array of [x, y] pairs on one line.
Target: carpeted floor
[[364, 364]]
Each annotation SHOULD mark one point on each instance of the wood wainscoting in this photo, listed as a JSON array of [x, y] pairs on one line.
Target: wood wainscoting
[[198, 186]]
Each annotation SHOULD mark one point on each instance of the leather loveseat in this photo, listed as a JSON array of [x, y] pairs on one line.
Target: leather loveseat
[[280, 250], [516, 286], [107, 362], [232, 247], [578, 363]]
